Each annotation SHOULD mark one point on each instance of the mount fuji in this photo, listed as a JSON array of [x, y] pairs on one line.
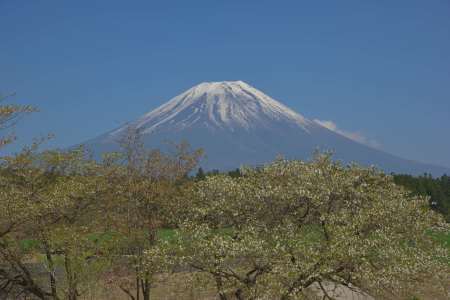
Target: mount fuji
[[236, 124]]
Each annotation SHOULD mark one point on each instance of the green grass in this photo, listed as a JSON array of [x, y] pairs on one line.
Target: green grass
[[28, 244], [444, 238], [167, 234]]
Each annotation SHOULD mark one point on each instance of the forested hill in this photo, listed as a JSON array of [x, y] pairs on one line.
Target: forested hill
[[437, 188]]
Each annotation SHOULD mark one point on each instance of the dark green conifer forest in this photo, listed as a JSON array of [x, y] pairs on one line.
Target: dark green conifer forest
[[438, 189]]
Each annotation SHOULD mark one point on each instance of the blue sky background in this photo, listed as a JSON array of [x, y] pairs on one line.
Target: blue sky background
[[377, 69]]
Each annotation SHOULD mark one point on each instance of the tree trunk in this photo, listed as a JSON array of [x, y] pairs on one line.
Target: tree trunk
[[51, 266], [219, 285], [72, 293], [145, 285], [138, 286], [239, 295]]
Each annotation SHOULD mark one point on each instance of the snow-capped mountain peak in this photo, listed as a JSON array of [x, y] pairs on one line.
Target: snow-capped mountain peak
[[236, 124], [225, 105]]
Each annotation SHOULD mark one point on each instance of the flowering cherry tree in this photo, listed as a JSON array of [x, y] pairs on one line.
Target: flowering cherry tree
[[281, 229]]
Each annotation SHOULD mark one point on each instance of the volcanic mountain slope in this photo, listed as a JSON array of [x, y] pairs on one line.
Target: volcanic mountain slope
[[237, 124]]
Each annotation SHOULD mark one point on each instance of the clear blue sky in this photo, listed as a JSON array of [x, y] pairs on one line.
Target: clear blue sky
[[379, 68]]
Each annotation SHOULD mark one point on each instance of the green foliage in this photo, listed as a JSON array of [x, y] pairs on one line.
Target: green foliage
[[200, 174], [234, 173], [438, 189]]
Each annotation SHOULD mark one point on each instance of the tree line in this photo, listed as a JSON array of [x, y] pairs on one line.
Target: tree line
[[437, 189]]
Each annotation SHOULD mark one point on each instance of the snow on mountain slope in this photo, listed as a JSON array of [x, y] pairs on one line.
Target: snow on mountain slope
[[237, 124], [232, 105]]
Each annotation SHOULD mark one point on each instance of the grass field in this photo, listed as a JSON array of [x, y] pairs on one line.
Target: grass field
[[444, 238]]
